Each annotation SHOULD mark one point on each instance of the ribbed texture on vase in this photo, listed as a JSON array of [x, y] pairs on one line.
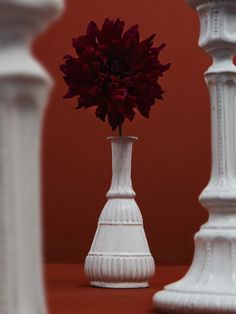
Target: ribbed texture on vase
[[121, 211], [117, 269], [190, 303]]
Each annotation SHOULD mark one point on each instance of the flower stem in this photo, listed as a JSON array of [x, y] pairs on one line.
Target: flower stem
[[120, 130]]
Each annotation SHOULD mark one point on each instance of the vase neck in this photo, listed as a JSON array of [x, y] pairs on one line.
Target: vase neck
[[121, 184]]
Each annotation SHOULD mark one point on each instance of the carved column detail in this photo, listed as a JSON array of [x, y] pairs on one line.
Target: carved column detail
[[24, 88], [210, 284]]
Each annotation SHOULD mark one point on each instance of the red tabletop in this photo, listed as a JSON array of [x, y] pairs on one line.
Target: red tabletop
[[68, 292]]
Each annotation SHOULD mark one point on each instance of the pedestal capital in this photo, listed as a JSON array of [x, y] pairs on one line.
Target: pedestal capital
[[217, 25]]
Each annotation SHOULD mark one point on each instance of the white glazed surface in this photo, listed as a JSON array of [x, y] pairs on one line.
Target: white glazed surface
[[24, 88], [119, 256], [210, 284]]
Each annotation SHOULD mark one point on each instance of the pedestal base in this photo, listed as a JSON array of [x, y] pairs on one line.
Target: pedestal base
[[119, 285], [178, 302], [209, 287]]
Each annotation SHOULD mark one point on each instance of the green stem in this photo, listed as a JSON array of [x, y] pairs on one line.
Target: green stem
[[120, 130]]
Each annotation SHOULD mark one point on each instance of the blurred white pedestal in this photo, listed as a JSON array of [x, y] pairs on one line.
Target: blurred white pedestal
[[24, 88]]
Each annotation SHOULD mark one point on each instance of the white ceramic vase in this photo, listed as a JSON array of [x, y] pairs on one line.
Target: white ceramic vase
[[210, 284], [119, 256]]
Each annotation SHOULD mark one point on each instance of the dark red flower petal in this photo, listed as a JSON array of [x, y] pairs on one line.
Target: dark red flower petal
[[115, 119], [147, 43], [144, 108], [131, 36], [118, 28], [129, 112], [107, 31], [118, 94], [92, 30], [101, 111]]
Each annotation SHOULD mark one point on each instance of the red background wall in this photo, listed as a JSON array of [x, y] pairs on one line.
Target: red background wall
[[171, 161]]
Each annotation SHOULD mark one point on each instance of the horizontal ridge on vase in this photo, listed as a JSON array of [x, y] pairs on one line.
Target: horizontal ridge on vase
[[119, 256]]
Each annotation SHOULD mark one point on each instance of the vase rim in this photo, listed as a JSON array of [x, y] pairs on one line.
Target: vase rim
[[122, 138]]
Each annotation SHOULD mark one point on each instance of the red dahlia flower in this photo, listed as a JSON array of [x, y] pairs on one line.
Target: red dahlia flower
[[114, 71]]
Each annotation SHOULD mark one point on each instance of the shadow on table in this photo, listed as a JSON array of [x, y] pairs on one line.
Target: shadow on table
[[155, 312]]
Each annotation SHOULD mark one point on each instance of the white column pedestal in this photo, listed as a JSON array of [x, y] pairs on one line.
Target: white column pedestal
[[24, 88], [210, 284]]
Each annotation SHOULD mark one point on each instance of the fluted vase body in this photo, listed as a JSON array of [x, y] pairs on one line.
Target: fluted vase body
[[119, 256]]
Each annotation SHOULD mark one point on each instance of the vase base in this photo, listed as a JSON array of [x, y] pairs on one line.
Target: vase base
[[119, 285], [177, 302]]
